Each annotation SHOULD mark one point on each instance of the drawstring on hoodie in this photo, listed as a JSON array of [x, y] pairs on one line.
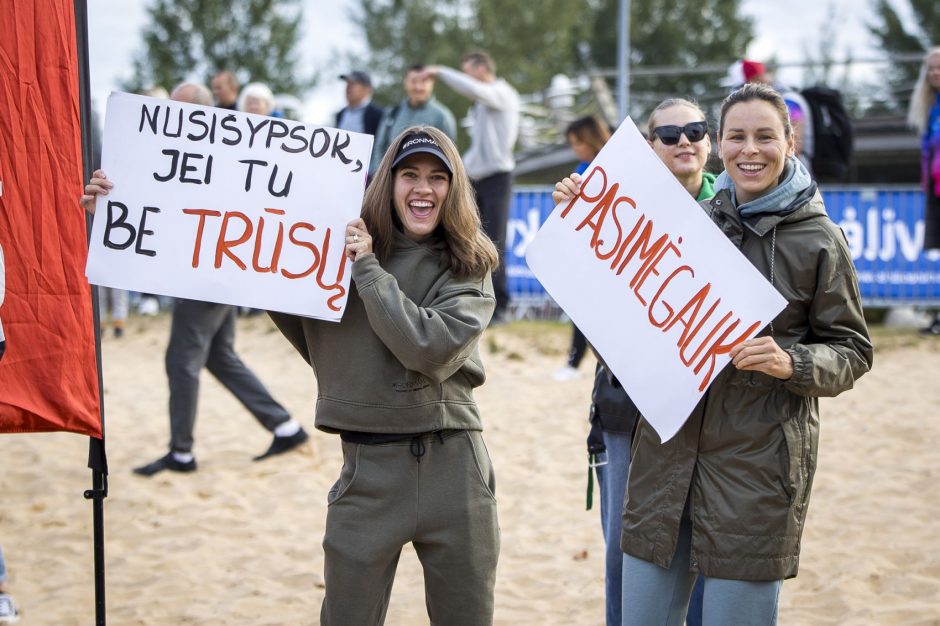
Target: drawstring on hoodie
[[773, 253], [417, 447]]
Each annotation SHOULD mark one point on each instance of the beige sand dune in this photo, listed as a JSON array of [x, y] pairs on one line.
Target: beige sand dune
[[239, 542]]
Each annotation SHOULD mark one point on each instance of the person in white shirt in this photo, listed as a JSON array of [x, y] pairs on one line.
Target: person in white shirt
[[489, 160]]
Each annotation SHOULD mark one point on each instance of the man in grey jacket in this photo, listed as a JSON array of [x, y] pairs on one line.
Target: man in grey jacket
[[489, 160]]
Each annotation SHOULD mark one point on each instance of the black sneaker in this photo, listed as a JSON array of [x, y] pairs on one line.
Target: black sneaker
[[166, 463], [280, 445]]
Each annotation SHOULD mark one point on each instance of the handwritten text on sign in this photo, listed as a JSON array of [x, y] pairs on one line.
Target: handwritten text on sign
[[654, 285], [223, 206]]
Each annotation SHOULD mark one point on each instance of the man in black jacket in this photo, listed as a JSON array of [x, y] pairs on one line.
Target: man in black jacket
[[360, 115]]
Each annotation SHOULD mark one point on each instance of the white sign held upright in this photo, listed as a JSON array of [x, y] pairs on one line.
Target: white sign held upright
[[223, 206], [652, 283]]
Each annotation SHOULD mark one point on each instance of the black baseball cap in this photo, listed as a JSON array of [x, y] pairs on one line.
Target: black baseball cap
[[421, 142], [357, 76]]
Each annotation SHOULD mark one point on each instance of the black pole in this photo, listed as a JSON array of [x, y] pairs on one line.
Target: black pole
[[97, 458]]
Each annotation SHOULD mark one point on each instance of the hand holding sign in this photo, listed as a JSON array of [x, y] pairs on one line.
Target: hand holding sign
[[566, 189], [97, 186], [358, 239]]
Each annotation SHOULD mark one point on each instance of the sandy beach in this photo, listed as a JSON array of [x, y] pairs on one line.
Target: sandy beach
[[238, 542]]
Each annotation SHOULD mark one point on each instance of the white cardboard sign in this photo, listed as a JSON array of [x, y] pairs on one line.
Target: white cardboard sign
[[224, 206], [650, 280]]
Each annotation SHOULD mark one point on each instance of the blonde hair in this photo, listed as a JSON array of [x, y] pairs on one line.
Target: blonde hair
[[470, 252], [923, 96]]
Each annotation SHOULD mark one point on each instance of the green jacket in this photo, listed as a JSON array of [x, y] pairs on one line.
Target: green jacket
[[404, 358], [745, 458], [708, 187]]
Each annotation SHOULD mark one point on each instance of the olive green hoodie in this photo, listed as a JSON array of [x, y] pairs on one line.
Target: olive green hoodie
[[404, 358]]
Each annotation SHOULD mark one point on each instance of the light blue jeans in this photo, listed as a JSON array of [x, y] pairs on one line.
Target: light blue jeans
[[654, 595], [3, 568], [612, 479]]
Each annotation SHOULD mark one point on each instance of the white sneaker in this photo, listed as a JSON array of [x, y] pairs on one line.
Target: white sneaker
[[148, 306], [566, 373], [8, 612]]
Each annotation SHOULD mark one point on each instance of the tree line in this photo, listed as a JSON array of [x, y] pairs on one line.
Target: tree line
[[260, 40]]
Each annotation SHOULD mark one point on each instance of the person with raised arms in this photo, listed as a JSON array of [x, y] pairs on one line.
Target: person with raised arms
[[395, 380]]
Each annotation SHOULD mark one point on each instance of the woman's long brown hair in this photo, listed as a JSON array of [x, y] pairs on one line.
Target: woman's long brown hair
[[470, 252]]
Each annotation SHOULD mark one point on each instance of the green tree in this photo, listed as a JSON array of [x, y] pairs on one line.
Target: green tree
[[530, 41], [695, 39], [907, 32], [256, 39]]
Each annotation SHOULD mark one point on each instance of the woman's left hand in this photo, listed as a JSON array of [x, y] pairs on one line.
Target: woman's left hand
[[762, 354], [358, 240]]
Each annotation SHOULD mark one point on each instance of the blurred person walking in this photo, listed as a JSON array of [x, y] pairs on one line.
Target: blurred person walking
[[202, 334]]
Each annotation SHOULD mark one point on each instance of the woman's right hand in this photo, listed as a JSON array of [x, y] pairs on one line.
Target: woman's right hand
[[567, 189], [98, 185]]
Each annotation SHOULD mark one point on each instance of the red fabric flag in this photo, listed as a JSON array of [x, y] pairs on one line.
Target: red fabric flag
[[48, 374]]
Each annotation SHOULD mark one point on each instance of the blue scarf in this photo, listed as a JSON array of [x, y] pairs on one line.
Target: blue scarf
[[795, 180]]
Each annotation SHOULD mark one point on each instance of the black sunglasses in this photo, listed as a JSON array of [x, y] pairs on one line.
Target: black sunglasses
[[669, 135]]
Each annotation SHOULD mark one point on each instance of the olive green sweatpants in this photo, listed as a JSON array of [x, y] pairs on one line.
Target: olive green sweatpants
[[438, 494]]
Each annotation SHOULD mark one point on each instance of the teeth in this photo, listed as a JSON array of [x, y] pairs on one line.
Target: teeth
[[748, 167], [421, 204]]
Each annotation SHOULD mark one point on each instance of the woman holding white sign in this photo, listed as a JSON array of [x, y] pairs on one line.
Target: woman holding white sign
[[726, 498], [678, 134], [395, 381]]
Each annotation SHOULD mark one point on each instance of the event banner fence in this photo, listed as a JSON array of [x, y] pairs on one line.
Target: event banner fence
[[884, 227]]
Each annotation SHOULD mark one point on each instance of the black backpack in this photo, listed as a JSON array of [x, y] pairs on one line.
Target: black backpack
[[832, 134]]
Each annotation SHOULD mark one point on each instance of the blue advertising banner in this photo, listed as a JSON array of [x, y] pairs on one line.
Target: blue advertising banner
[[884, 227]]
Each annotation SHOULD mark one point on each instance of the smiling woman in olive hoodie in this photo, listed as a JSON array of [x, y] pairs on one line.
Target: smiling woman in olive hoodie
[[395, 380]]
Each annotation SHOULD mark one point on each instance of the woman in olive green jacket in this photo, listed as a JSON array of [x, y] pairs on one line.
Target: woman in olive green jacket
[[726, 498], [728, 495]]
